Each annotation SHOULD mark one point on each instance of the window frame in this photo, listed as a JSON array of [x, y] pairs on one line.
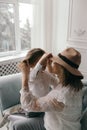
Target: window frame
[[18, 49]]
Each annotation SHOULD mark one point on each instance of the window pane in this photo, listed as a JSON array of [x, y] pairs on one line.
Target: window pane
[[26, 22], [7, 29]]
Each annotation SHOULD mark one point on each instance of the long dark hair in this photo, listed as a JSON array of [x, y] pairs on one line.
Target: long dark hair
[[68, 79]]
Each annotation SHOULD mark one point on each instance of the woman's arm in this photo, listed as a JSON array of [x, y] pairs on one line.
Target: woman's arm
[[49, 102]]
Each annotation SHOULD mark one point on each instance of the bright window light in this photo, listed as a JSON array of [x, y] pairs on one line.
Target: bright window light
[[16, 22]]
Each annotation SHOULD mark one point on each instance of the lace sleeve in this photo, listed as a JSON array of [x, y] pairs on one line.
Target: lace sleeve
[[35, 71], [31, 103]]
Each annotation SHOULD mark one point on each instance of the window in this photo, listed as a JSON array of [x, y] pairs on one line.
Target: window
[[26, 24], [16, 21]]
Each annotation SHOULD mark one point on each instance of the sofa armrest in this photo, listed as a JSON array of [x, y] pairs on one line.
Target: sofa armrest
[[10, 86]]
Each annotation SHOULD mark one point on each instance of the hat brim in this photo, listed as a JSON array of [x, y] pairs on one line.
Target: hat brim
[[72, 70]]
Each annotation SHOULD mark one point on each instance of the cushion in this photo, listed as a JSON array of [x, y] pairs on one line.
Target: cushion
[[84, 82], [84, 101], [84, 107]]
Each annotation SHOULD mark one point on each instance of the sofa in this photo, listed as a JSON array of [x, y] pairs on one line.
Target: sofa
[[9, 94], [10, 86], [9, 91], [84, 107]]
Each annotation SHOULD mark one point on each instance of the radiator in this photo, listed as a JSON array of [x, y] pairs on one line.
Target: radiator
[[9, 67]]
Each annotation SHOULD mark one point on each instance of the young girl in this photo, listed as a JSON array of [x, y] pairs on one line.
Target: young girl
[[39, 86], [68, 91], [30, 60]]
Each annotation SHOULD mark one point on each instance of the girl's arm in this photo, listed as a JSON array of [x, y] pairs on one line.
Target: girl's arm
[[40, 66], [25, 69]]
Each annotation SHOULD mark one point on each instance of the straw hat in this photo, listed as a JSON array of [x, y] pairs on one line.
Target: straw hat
[[70, 59]]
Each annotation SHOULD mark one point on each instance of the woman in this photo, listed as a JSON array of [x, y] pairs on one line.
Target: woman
[[66, 96]]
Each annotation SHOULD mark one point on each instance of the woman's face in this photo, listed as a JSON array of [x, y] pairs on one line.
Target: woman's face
[[56, 68]]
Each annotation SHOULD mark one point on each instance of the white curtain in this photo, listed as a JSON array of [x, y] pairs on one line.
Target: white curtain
[[50, 24], [42, 27]]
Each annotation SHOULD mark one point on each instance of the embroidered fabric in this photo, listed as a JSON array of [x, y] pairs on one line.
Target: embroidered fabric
[[66, 114]]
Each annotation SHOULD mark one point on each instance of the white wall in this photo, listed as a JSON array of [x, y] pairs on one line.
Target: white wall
[[77, 30]]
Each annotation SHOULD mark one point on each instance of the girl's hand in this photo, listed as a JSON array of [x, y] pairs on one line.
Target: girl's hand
[[49, 65], [23, 67]]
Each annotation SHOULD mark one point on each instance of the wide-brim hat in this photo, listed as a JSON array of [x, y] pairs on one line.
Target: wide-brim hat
[[70, 59]]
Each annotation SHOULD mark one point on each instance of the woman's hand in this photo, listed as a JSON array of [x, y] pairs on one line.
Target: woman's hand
[[44, 58], [56, 104]]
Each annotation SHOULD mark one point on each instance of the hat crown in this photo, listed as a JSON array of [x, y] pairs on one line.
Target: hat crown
[[72, 55], [70, 59]]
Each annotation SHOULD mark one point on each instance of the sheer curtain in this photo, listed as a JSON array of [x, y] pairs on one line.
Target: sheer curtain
[[42, 26], [50, 24]]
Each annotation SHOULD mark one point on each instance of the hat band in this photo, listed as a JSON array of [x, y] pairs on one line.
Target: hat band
[[68, 61]]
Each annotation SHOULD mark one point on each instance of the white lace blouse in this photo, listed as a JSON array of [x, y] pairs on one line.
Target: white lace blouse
[[41, 83], [64, 117]]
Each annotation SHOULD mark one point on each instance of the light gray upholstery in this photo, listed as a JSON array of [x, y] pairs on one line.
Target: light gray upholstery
[[9, 90], [84, 105], [84, 102], [10, 86]]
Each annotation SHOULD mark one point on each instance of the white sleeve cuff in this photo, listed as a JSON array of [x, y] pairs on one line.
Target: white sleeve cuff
[[38, 66]]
